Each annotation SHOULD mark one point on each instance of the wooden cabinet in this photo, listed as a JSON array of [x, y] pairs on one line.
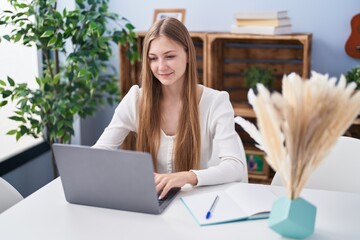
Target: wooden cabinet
[[229, 55]]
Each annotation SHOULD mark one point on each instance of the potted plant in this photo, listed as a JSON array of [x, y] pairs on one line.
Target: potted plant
[[353, 75], [78, 85], [293, 131], [255, 74]]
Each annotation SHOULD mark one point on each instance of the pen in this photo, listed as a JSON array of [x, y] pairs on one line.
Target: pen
[[208, 214]]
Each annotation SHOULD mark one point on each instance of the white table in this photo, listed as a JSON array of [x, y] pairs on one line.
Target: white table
[[46, 215]]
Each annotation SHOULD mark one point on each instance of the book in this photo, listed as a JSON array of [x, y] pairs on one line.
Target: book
[[263, 22], [261, 14], [266, 30], [242, 201]]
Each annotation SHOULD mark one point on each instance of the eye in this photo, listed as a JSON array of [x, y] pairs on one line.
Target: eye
[[151, 59], [170, 56]]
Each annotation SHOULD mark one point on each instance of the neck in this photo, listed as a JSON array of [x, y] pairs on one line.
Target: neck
[[172, 93]]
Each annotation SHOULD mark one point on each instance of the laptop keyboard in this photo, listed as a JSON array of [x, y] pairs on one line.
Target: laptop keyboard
[[169, 195]]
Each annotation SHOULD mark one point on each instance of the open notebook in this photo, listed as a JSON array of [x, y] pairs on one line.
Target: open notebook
[[241, 201]]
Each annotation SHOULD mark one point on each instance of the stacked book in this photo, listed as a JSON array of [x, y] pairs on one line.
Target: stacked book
[[262, 22]]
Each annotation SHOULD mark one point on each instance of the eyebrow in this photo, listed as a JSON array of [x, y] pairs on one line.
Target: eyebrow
[[167, 52]]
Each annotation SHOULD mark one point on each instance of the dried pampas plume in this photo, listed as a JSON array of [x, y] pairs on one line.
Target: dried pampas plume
[[298, 127]]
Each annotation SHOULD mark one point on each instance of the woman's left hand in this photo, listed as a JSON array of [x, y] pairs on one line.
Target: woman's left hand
[[167, 181]]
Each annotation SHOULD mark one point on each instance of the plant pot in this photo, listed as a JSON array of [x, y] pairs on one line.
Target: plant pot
[[293, 218]]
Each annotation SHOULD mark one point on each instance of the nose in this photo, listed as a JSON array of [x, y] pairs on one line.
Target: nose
[[162, 64]]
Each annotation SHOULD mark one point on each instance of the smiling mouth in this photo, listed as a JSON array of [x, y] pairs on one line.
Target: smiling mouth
[[165, 74]]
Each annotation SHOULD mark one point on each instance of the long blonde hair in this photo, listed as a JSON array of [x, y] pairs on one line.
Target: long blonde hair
[[188, 139]]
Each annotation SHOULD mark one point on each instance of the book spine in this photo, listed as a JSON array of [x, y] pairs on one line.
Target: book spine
[[263, 22], [260, 15], [266, 30]]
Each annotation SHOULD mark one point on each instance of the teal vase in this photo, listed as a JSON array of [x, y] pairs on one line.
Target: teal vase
[[293, 218]]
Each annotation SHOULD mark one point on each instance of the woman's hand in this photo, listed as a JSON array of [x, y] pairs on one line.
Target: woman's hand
[[167, 181]]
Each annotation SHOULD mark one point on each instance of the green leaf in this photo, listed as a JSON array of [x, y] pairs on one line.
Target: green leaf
[[7, 37], [59, 124], [11, 132], [23, 104], [75, 109], [3, 103], [46, 106], [22, 93], [129, 26], [21, 5], [92, 26], [11, 81], [23, 130], [56, 78], [2, 83], [34, 122], [38, 81], [47, 34], [18, 36], [52, 41], [66, 138], [82, 73], [18, 119], [6, 93], [18, 136], [60, 133]]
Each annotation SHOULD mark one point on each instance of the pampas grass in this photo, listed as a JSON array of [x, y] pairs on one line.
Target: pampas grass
[[298, 127]]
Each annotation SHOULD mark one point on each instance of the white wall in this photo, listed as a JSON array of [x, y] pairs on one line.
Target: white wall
[[21, 64]]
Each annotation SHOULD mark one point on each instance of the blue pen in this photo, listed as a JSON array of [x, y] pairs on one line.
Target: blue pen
[[208, 214]]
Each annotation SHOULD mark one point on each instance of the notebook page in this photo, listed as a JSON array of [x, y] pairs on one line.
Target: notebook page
[[225, 210], [252, 198]]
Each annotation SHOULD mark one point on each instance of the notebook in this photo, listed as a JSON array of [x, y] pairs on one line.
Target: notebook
[[115, 179], [242, 201]]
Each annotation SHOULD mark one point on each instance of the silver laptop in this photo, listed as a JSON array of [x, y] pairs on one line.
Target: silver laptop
[[115, 179]]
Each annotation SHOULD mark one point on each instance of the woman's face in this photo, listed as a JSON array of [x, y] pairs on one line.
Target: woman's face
[[168, 61]]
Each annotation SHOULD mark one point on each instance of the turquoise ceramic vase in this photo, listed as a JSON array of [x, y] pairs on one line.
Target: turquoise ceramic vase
[[293, 218]]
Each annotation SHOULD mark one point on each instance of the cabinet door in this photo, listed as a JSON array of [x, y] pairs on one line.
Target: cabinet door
[[231, 54]]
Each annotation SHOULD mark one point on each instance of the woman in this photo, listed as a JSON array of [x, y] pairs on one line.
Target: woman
[[179, 122]]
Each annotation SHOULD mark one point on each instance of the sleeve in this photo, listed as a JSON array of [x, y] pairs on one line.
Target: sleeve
[[122, 122], [226, 144]]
